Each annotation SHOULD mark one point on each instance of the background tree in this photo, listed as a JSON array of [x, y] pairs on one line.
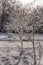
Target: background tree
[[20, 19]]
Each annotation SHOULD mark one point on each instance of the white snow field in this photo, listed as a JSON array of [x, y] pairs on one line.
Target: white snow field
[[10, 51]]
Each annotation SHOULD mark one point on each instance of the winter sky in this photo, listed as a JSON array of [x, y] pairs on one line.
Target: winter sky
[[24, 2], [37, 2]]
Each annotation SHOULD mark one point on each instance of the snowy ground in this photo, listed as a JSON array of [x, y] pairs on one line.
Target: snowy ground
[[15, 37], [10, 51]]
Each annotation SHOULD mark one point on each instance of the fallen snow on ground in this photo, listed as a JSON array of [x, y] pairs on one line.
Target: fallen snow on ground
[[15, 37], [10, 53]]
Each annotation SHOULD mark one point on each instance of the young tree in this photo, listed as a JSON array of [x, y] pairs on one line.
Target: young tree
[[16, 17]]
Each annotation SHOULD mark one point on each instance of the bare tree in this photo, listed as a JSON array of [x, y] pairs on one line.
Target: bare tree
[[16, 17]]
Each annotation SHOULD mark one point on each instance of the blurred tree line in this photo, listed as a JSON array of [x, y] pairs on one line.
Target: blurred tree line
[[14, 17]]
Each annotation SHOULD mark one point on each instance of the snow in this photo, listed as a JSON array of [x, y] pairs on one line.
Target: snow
[[9, 51], [15, 37]]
